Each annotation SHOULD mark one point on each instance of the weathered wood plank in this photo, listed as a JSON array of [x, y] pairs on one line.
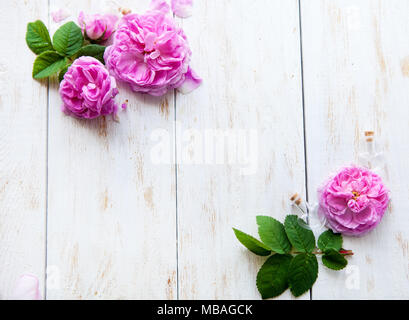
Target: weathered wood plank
[[249, 57], [23, 141], [355, 67], [111, 208]]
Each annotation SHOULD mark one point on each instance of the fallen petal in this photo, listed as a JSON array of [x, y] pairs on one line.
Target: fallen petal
[[59, 15], [182, 8], [192, 82], [27, 288]]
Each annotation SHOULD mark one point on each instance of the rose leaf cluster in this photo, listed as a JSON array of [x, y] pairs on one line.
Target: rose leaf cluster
[[292, 254]]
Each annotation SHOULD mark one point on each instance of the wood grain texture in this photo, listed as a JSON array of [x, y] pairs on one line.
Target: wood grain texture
[[249, 57], [111, 232], [23, 138], [356, 78], [111, 219]]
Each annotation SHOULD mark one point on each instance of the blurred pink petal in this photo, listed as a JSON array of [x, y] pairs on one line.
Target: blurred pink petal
[[160, 5], [182, 8], [60, 15], [27, 288], [192, 82], [353, 201]]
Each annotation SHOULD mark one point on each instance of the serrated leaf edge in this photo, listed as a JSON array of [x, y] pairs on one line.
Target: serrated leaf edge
[[258, 277], [304, 249]]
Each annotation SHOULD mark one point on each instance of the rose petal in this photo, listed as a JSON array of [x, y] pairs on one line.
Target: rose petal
[[336, 202], [160, 5], [27, 288], [150, 41], [182, 8], [365, 216], [347, 219], [59, 15], [192, 82]]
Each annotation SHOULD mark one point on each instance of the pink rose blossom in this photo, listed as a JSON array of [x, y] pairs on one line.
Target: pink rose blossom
[[182, 8], [96, 26], [151, 54], [88, 91], [27, 288], [354, 201]]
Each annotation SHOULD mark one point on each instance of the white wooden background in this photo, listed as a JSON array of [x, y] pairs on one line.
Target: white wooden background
[[83, 206]]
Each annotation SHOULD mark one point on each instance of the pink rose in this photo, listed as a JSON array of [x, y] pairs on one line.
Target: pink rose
[[27, 288], [354, 201], [151, 54], [96, 26], [88, 91], [160, 5]]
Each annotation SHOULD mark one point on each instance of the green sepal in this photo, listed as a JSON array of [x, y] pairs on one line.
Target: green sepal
[[302, 273]]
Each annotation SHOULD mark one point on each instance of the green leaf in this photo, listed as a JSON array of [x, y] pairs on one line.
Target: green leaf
[[272, 234], [62, 72], [302, 273], [301, 238], [334, 260], [330, 240], [48, 63], [92, 50], [272, 278], [68, 39], [37, 37], [252, 243]]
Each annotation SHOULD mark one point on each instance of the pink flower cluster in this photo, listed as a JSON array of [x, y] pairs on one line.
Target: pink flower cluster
[[151, 54], [354, 201]]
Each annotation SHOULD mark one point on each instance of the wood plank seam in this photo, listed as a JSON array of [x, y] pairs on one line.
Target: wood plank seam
[[174, 95], [303, 111]]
